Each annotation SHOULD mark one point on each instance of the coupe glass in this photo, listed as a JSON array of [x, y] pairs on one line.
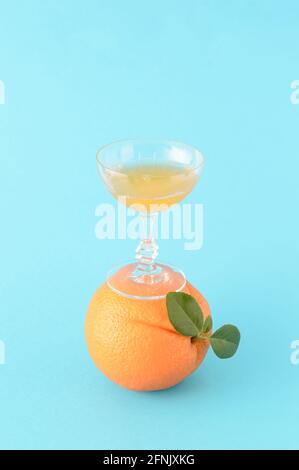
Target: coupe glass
[[148, 176]]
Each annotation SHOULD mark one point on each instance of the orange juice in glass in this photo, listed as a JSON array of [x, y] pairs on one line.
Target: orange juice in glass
[[149, 185]]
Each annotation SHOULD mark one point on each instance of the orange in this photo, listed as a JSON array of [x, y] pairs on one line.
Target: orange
[[134, 344]]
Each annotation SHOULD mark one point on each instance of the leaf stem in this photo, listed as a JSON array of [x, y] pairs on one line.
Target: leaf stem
[[201, 336]]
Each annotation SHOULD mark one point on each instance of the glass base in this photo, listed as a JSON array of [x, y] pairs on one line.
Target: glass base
[[135, 281]]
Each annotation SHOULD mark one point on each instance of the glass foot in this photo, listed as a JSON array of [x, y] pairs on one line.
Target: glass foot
[[134, 281]]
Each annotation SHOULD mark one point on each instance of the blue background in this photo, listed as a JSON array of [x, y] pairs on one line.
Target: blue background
[[214, 74]]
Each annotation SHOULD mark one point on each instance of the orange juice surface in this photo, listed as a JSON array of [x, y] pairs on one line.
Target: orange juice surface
[[155, 187]]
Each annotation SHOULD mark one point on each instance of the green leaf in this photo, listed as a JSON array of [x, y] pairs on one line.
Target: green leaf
[[184, 313], [208, 324], [225, 341]]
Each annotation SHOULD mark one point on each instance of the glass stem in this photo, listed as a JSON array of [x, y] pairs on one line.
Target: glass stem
[[147, 250]]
